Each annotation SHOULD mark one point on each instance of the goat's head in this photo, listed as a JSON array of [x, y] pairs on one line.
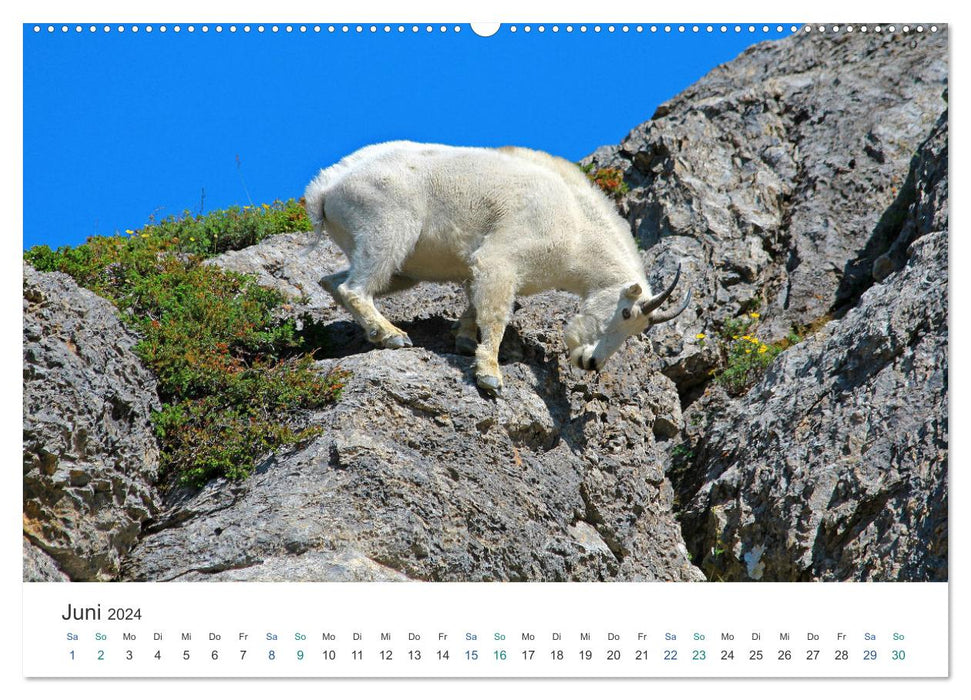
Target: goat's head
[[610, 316]]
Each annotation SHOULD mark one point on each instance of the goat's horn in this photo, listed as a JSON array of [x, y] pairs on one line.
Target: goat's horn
[[668, 315], [658, 299]]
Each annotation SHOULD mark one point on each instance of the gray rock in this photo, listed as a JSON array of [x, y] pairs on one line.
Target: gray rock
[[344, 566], [834, 466], [293, 273], [90, 456], [38, 566]]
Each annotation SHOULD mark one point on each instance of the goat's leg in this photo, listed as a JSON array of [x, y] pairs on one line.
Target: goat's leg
[[357, 305], [466, 330], [378, 329], [373, 271], [332, 282], [493, 293], [377, 249]]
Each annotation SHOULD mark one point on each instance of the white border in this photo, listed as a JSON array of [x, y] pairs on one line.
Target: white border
[[443, 10]]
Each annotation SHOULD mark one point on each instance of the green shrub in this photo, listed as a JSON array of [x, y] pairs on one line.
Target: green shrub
[[745, 356], [228, 229], [233, 377]]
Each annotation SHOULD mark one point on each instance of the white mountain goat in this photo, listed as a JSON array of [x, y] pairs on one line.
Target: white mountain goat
[[501, 222]]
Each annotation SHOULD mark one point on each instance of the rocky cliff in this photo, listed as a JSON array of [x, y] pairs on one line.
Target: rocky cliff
[[90, 456], [804, 183]]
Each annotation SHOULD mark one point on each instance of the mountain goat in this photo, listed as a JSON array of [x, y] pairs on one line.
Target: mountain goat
[[501, 222]]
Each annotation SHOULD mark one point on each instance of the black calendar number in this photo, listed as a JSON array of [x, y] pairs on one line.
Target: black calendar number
[[785, 655], [129, 655], [613, 655], [124, 613], [728, 654], [755, 655], [640, 655], [812, 654], [841, 655]]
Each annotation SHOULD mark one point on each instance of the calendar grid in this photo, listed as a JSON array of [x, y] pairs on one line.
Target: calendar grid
[[486, 630]]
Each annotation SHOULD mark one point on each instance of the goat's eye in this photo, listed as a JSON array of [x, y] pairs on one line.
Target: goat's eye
[[626, 313]]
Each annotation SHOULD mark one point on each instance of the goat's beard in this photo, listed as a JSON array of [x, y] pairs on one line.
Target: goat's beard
[[582, 329]]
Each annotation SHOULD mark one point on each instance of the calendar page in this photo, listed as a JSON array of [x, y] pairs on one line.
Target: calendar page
[[437, 349]]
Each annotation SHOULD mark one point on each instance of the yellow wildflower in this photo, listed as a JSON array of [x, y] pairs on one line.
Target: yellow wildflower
[[266, 206], [129, 232], [700, 336], [192, 238], [754, 315], [247, 206], [748, 351], [762, 349], [144, 235]]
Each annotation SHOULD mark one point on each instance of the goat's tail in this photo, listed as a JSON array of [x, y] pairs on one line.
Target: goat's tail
[[313, 202]]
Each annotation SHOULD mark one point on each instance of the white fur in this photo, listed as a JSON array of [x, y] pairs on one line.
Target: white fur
[[502, 222]]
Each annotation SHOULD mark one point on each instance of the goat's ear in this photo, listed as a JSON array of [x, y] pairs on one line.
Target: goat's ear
[[633, 291]]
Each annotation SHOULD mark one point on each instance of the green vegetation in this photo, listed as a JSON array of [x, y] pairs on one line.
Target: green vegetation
[[683, 451], [610, 180], [233, 376], [745, 356]]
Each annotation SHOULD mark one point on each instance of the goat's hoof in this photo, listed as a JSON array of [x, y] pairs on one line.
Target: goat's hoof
[[397, 341], [465, 345], [488, 384]]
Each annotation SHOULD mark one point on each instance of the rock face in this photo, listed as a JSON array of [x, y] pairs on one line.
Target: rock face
[[805, 180], [834, 466], [90, 457]]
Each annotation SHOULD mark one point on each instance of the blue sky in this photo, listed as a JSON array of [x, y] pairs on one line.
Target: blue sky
[[120, 126]]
